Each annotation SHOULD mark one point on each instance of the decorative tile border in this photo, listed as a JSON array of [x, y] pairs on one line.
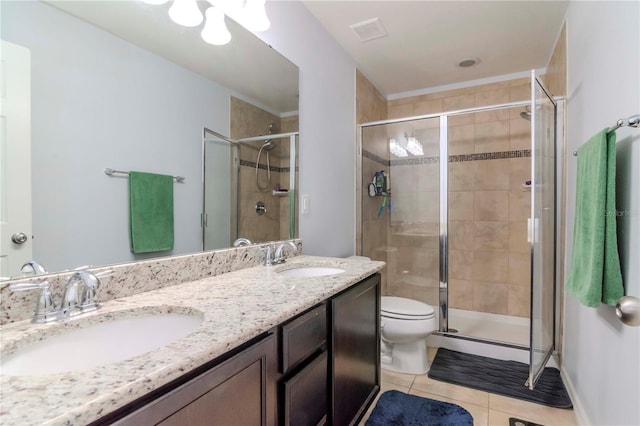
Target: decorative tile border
[[276, 169], [490, 155], [521, 153]]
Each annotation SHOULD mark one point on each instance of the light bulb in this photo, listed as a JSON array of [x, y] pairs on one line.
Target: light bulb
[[396, 149], [414, 146], [215, 31], [254, 16], [156, 2], [185, 13]]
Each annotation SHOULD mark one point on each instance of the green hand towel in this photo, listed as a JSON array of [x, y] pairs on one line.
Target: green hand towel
[[150, 212], [595, 274]]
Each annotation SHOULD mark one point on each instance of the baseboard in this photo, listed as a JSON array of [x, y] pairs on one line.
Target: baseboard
[[578, 407]]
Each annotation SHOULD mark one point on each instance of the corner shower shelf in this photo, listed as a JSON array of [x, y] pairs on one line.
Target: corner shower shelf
[[280, 193]]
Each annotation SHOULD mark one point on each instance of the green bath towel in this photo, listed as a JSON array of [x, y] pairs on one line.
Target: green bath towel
[[595, 274], [150, 212]]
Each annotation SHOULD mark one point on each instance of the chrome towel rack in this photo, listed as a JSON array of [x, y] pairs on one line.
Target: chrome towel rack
[[633, 121], [111, 172]]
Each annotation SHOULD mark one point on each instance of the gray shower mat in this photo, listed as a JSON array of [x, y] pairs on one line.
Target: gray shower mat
[[501, 377]]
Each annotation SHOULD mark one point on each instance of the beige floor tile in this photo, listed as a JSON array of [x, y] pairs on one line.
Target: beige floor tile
[[400, 379], [498, 418], [537, 413], [480, 414], [447, 390], [392, 386], [431, 353]]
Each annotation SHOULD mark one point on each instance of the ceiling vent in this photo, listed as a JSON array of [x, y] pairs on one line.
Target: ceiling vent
[[369, 29]]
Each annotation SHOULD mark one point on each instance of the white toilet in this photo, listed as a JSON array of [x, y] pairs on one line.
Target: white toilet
[[405, 325]]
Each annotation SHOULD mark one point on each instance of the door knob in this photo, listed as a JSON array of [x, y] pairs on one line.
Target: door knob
[[19, 238], [628, 310]]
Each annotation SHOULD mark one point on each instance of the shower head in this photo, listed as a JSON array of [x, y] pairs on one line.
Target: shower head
[[268, 145]]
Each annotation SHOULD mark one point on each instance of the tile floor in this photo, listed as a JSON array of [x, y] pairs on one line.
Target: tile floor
[[486, 408]]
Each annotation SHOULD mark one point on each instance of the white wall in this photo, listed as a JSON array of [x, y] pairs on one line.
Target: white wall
[[602, 356], [97, 102], [327, 127]]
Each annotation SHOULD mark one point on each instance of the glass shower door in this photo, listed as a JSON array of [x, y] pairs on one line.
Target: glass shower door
[[220, 191], [541, 229]]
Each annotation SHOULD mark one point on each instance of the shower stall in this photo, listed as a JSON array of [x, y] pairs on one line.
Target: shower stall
[[466, 219], [249, 188]]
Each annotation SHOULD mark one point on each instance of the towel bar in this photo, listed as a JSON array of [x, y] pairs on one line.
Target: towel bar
[[633, 121], [111, 172]]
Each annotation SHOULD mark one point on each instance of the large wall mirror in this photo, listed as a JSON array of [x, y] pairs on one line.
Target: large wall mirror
[[91, 85]]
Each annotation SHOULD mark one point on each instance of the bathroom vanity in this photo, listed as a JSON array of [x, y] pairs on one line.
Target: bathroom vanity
[[272, 349]]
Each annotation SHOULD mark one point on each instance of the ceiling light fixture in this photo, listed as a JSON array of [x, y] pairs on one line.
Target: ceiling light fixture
[[468, 62], [251, 14], [396, 149], [215, 30], [414, 146], [185, 13]]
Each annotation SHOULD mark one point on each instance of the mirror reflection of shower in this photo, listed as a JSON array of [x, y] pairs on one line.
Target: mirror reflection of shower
[[267, 146]]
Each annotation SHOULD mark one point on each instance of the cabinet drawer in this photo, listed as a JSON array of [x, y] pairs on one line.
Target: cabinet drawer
[[305, 395], [302, 337]]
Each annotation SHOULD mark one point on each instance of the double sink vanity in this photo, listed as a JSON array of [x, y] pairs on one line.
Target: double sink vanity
[[295, 343]]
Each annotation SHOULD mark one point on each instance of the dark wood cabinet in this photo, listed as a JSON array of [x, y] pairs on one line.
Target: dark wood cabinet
[[355, 350], [320, 367], [303, 386], [239, 391], [304, 395]]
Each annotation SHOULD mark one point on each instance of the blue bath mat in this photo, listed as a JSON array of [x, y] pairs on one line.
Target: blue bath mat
[[396, 408]]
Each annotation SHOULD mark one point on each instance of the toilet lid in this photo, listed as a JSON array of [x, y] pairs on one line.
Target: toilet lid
[[401, 307]]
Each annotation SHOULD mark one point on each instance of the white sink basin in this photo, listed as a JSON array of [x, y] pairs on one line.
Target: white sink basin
[[98, 344], [311, 271]]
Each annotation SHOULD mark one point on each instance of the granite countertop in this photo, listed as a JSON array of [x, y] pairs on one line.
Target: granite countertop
[[235, 307]]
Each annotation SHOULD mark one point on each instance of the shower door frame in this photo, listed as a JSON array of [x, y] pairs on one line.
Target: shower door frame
[[443, 322], [235, 183], [536, 368]]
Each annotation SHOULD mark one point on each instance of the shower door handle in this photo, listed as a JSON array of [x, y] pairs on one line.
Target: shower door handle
[[532, 230]]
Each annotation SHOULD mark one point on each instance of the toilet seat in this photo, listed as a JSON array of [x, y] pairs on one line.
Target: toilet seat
[[405, 309]]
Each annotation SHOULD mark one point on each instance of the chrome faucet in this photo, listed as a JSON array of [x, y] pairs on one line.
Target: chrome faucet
[[80, 293], [45, 310], [79, 296], [32, 267], [241, 242], [279, 254]]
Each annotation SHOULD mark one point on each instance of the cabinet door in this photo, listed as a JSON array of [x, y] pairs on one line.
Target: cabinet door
[[239, 391], [355, 348], [302, 337], [305, 394]]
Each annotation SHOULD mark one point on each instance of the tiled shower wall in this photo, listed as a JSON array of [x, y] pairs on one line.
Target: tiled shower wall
[[372, 106], [248, 120], [489, 161]]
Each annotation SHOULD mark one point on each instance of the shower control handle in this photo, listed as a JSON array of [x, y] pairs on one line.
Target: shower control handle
[[260, 208]]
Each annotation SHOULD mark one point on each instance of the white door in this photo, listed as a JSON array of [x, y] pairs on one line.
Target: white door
[[15, 158]]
